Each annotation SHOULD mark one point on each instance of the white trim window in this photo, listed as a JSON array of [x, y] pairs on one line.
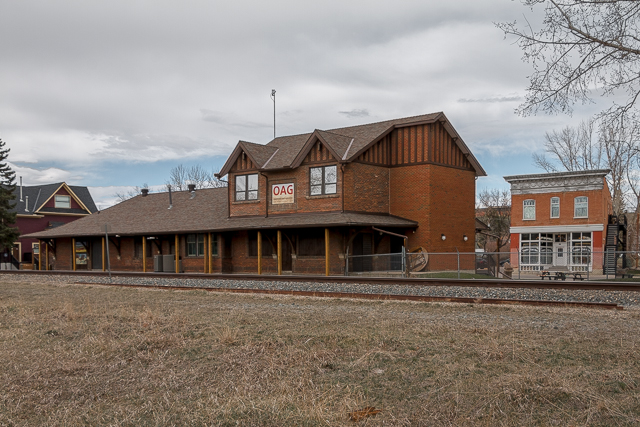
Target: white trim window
[[555, 207], [246, 187], [63, 202], [581, 207], [529, 209]]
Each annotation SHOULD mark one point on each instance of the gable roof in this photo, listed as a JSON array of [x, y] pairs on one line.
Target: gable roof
[[38, 195], [346, 144], [206, 212]]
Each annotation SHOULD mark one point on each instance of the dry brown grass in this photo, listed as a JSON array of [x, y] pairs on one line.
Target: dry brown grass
[[77, 355]]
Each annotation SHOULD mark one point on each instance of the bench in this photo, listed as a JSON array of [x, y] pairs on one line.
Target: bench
[[577, 276], [545, 274]]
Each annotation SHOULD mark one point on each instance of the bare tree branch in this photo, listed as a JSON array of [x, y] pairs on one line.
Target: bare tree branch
[[582, 49]]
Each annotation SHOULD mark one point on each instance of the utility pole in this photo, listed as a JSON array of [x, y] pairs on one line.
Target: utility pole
[[273, 96]]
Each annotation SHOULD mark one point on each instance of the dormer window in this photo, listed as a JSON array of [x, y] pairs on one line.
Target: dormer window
[[323, 180], [246, 187], [63, 202]]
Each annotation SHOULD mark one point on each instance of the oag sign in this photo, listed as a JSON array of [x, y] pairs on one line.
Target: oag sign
[[282, 193]]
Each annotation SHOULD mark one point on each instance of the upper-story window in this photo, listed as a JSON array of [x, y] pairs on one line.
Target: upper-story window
[[581, 207], [555, 207], [323, 180], [63, 202], [529, 209], [247, 187]]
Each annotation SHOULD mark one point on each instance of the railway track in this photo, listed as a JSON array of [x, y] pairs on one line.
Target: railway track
[[411, 282]]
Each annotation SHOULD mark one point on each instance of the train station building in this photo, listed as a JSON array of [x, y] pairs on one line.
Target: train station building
[[299, 204]]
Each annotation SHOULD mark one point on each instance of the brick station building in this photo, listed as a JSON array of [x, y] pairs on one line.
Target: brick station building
[[298, 204]]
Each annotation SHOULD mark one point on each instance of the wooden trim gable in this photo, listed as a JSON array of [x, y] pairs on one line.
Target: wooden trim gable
[[71, 193], [312, 143], [417, 145], [319, 153], [240, 152]]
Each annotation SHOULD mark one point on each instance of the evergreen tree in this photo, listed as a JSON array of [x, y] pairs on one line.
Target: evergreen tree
[[8, 232]]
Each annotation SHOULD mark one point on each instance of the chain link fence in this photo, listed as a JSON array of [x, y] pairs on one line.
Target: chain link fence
[[578, 264]]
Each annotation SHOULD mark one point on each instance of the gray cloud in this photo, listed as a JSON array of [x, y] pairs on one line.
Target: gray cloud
[[510, 98], [363, 112]]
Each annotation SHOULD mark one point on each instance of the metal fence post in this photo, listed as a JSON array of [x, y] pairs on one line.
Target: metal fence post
[[404, 262], [519, 266], [458, 252], [346, 264]]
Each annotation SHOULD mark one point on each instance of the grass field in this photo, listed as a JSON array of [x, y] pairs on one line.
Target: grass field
[[79, 355]]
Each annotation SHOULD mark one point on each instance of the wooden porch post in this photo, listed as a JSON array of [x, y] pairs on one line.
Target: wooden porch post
[[259, 252], [210, 253], [144, 255], [104, 267], [205, 255], [46, 256], [177, 254], [39, 254], [279, 252], [326, 252], [73, 253]]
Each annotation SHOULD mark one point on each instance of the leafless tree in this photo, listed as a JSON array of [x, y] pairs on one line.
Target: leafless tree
[[494, 209], [603, 144], [180, 177], [126, 195], [581, 48]]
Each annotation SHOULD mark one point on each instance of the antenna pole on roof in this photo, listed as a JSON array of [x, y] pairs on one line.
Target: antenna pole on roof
[[273, 96]]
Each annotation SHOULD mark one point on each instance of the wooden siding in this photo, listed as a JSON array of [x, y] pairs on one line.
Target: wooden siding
[[243, 163], [413, 145], [319, 153]]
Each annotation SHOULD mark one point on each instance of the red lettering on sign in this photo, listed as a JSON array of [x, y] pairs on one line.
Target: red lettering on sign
[[290, 189]]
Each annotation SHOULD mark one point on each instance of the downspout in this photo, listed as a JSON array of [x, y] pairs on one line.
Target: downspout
[[266, 194], [342, 196]]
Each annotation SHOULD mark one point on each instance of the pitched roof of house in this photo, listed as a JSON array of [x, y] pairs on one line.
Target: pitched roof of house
[[207, 211], [34, 197], [345, 143]]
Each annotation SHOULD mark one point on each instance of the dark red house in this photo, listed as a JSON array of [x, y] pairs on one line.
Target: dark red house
[[43, 207]]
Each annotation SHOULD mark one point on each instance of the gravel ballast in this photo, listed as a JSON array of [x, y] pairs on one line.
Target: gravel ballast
[[622, 298]]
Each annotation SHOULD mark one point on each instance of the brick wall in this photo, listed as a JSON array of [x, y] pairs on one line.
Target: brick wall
[[366, 188], [441, 199]]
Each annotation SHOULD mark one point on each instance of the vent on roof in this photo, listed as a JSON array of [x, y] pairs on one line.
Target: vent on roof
[[21, 189], [170, 202], [192, 190], [26, 204], [145, 192]]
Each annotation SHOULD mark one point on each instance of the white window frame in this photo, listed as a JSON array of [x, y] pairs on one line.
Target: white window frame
[[62, 200], [583, 205], [531, 206], [557, 204]]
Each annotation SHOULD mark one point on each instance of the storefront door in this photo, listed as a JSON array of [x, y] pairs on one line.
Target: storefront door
[[560, 255]]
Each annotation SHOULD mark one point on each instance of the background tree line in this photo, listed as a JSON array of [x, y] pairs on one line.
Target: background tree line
[[179, 179]]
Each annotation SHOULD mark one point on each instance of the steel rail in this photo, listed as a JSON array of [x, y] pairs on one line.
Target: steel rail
[[474, 283], [373, 296]]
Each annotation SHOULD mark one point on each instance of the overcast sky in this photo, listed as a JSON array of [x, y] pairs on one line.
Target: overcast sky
[[115, 94]]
